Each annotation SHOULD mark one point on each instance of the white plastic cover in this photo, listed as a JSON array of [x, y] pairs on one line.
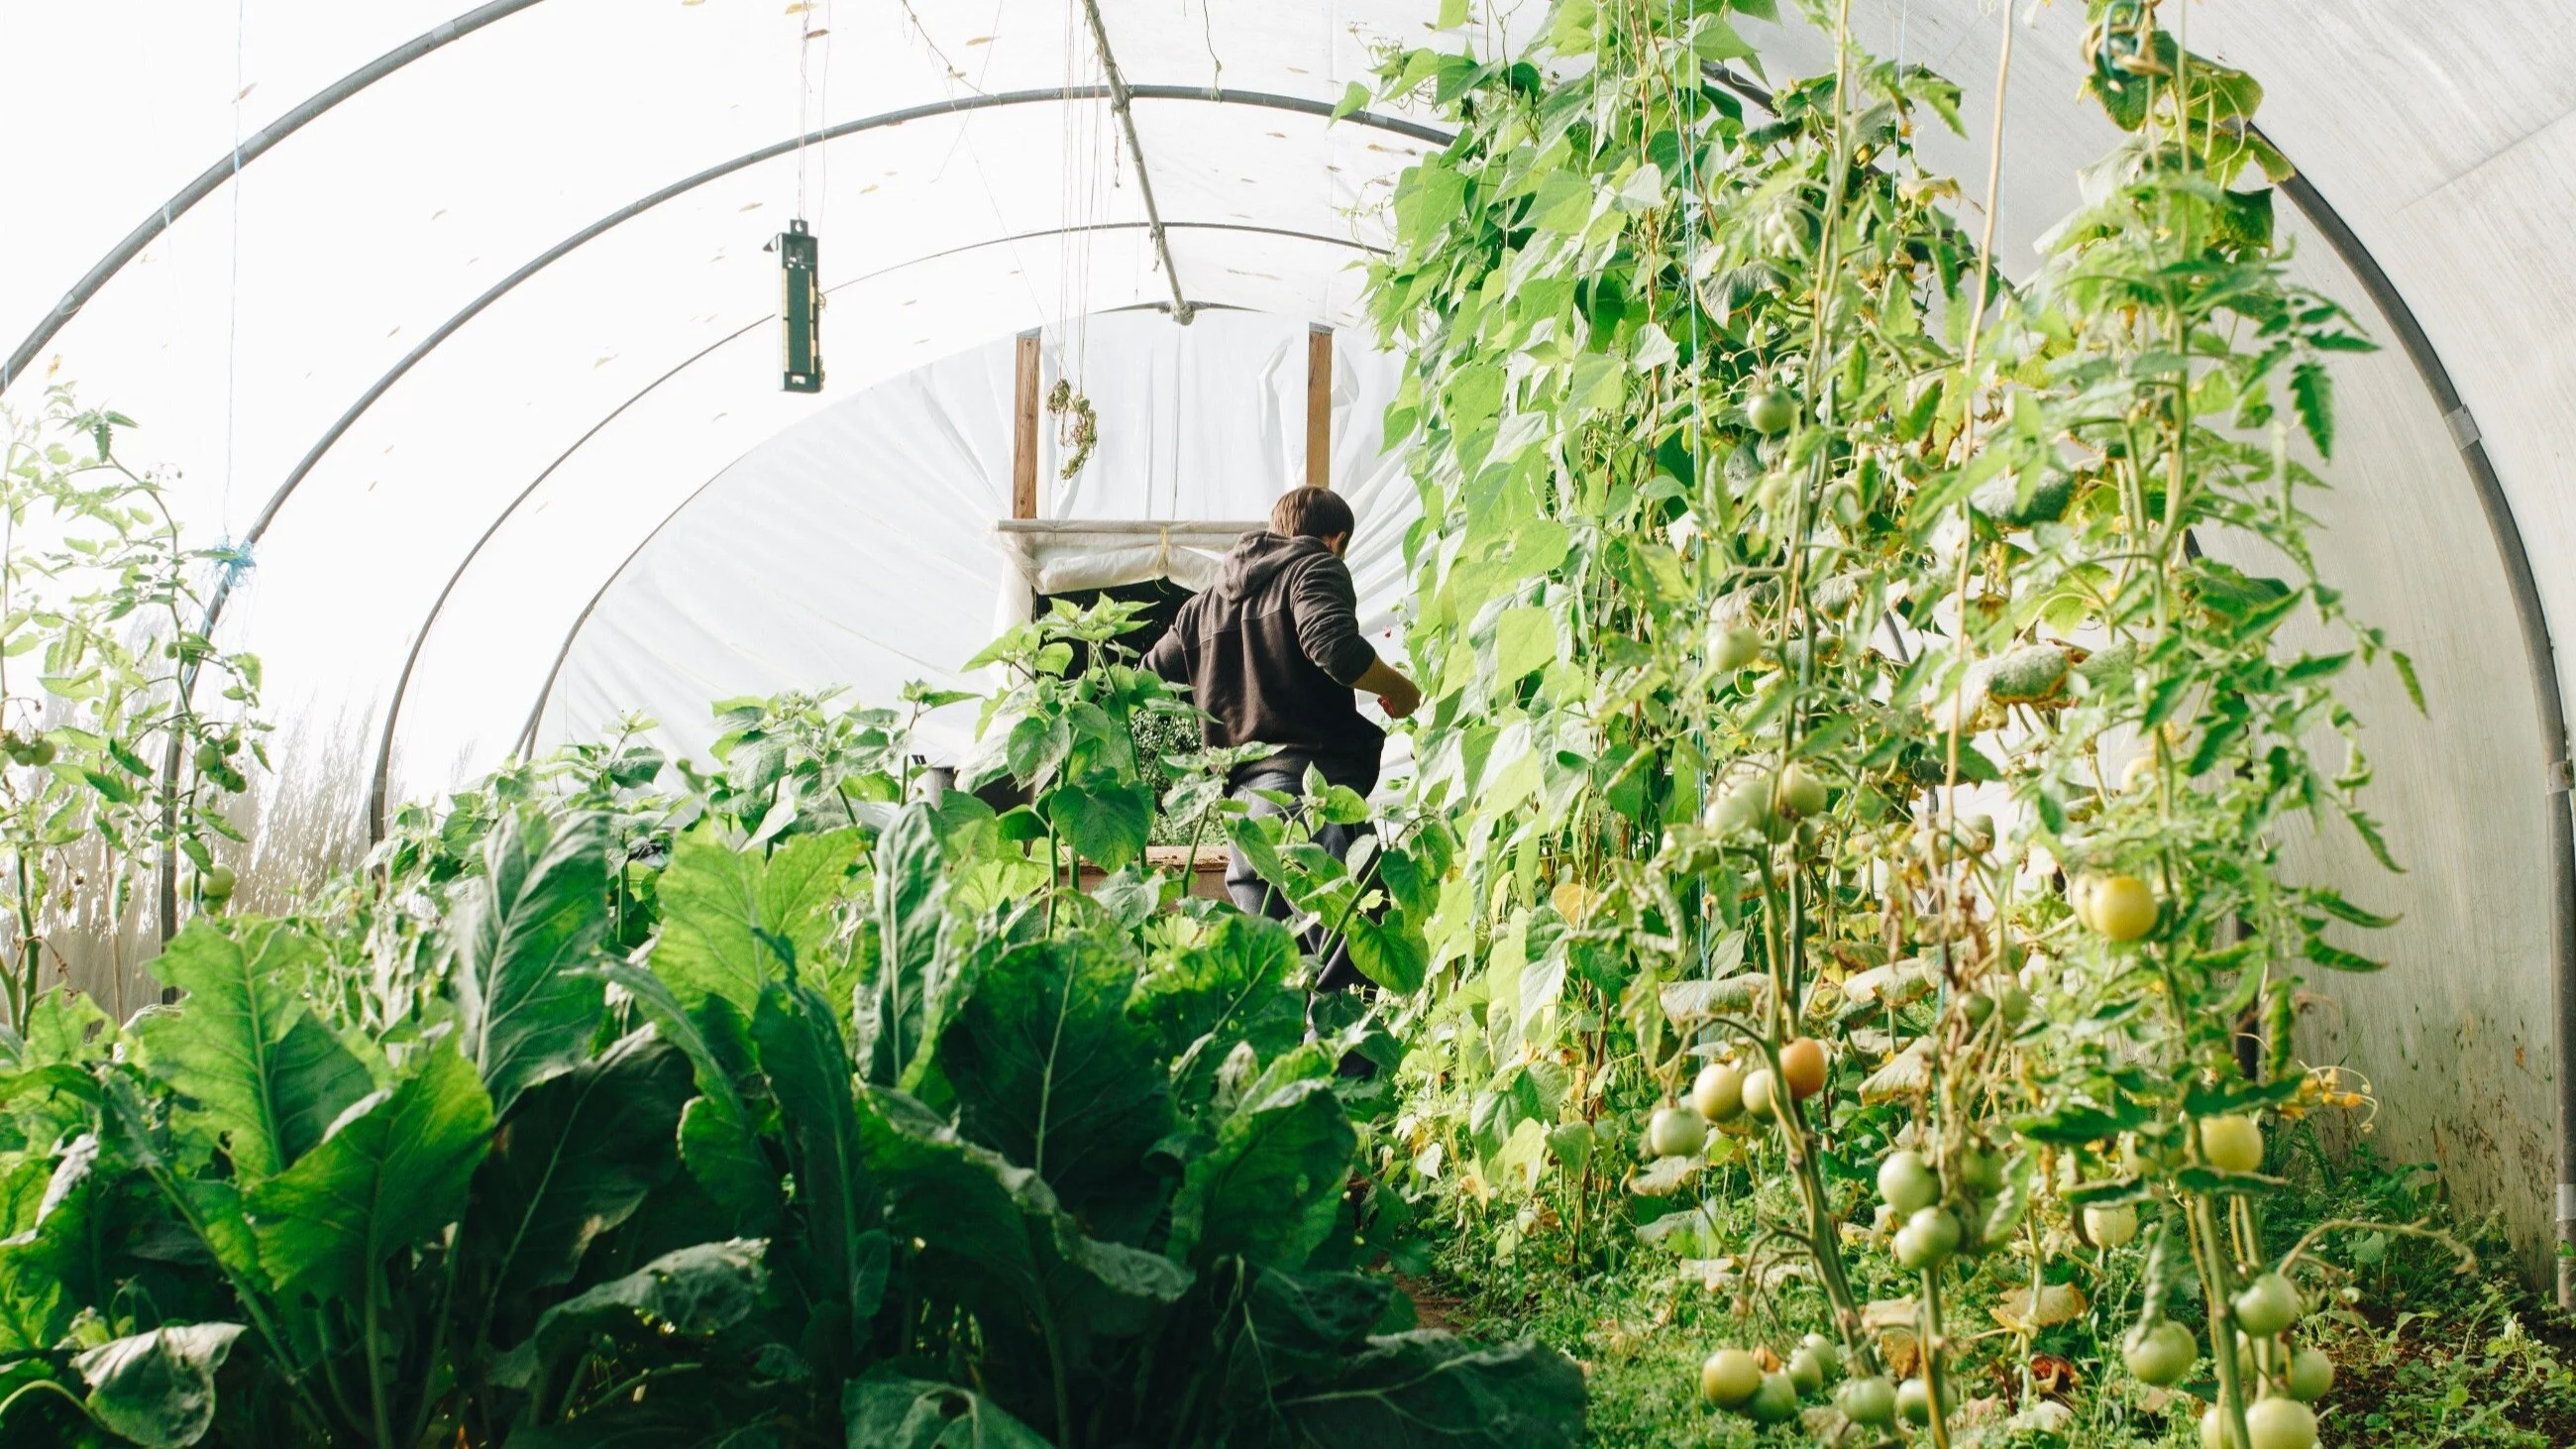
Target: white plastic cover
[[558, 429]]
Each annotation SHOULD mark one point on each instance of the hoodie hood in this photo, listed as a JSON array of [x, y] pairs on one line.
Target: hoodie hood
[[1258, 559]]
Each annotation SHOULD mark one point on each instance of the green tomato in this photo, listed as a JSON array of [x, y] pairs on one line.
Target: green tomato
[[1870, 1401], [1772, 413], [1807, 1371], [1676, 1133], [2311, 1375], [1914, 1401], [1826, 1351], [1981, 1170], [1927, 1239], [1733, 648], [41, 752], [1776, 1402], [1801, 793], [2213, 1429], [1757, 1093], [1729, 1378], [2016, 1004], [2267, 1305], [2112, 1225], [1743, 806], [2281, 1424], [216, 884], [2232, 1143], [1718, 1094], [210, 757], [2160, 1353], [1906, 1184]]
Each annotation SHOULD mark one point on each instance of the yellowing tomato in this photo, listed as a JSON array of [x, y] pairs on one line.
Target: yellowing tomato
[[2232, 1143]]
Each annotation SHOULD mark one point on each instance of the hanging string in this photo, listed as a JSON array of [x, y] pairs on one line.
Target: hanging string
[[823, 106], [802, 14], [232, 289]]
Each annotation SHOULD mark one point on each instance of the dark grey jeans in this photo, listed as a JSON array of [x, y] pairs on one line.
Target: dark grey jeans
[[1258, 897]]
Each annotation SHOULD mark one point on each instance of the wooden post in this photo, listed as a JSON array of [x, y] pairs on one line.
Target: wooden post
[[1024, 440], [1319, 406]]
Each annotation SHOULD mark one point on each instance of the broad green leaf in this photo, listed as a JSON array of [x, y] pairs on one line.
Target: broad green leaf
[[392, 1173], [1390, 953], [1293, 1325], [1424, 1389], [885, 1409], [722, 1151], [1272, 1186], [715, 1076], [519, 938], [580, 1154], [911, 899], [1105, 819], [1563, 202], [732, 922], [48, 1266], [157, 1389], [1231, 986], [1051, 1071], [992, 1232], [262, 1071], [1524, 640], [694, 1291], [809, 1072]]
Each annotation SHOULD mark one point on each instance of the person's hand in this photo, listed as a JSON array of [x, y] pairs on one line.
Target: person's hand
[[1401, 701]]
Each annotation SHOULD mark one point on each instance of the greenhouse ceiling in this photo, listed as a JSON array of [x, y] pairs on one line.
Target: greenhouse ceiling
[[444, 314]]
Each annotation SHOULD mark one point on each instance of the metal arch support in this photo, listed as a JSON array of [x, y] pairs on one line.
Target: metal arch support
[[252, 147], [2540, 657], [1119, 96], [682, 187], [380, 777], [560, 250]]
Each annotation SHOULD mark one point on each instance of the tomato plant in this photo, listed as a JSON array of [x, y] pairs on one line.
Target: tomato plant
[[1854, 668]]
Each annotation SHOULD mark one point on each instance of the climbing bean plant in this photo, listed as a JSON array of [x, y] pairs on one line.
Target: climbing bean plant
[[1872, 691]]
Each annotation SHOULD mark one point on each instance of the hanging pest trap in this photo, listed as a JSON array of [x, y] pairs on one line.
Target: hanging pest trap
[[800, 308]]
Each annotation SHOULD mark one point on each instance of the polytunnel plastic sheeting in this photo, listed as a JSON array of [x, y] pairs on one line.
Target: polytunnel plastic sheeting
[[398, 207], [2439, 133], [756, 586], [2399, 117]]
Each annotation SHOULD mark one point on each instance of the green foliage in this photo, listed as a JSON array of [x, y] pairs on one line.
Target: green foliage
[[114, 765], [1792, 594], [878, 1132]]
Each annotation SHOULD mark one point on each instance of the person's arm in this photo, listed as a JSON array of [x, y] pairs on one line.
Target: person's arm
[[1397, 695], [1326, 605]]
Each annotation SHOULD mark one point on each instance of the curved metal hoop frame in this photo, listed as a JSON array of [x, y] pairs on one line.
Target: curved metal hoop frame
[[379, 778]]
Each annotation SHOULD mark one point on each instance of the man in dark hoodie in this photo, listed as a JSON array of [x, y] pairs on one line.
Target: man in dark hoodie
[[1273, 653]]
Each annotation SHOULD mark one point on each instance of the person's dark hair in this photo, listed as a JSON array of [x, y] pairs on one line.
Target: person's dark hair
[[1311, 513]]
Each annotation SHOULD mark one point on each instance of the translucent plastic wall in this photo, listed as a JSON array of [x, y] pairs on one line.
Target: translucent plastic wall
[[600, 422]]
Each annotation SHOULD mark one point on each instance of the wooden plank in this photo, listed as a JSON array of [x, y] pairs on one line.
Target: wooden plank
[[1024, 440], [1319, 407]]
